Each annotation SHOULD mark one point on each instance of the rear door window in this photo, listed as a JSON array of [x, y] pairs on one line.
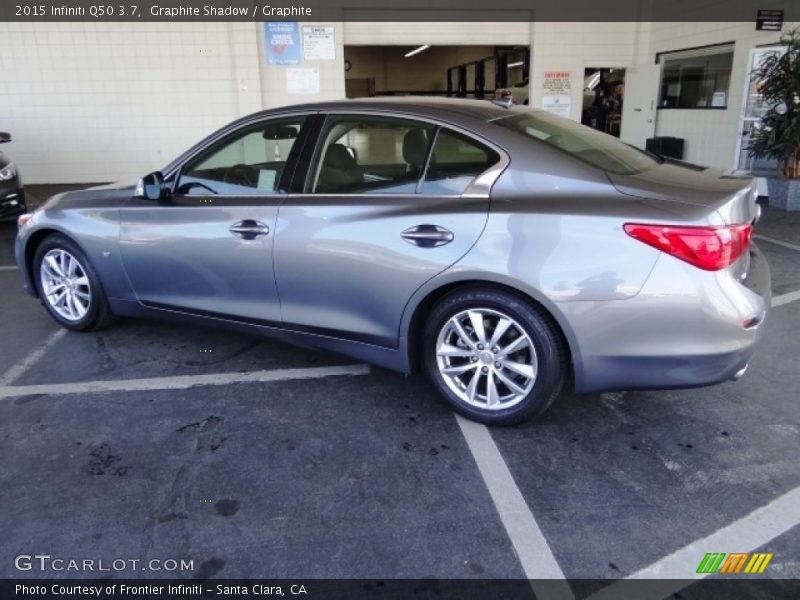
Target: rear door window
[[370, 155], [455, 163]]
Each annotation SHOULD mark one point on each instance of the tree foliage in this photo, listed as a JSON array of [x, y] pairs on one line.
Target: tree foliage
[[778, 81]]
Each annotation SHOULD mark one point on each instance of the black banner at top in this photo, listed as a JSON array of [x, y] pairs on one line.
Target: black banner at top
[[393, 10]]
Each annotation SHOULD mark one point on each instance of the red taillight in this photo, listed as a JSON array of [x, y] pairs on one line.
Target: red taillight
[[709, 248]]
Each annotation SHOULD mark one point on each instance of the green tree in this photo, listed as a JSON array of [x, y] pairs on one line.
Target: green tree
[[778, 78]]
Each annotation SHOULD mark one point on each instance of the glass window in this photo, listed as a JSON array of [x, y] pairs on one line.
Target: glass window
[[249, 163], [370, 155], [696, 78], [455, 163], [598, 149]]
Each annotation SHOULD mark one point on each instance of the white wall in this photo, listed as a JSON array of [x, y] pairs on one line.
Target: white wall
[[90, 102], [710, 135], [575, 47], [95, 102], [107, 101]]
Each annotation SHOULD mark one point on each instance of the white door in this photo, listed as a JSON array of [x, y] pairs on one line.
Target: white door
[[639, 104], [753, 108]]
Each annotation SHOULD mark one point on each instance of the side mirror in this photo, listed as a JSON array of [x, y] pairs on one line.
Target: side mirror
[[4, 137], [151, 187]]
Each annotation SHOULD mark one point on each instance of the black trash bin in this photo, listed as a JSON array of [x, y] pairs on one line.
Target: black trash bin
[[666, 146]]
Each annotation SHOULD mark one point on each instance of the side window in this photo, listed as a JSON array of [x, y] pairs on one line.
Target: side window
[[370, 155], [456, 161], [248, 163]]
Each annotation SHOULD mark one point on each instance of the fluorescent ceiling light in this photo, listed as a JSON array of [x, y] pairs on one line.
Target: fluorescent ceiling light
[[515, 64], [417, 50], [592, 80]]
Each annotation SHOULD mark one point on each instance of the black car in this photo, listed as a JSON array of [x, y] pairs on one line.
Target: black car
[[12, 194]]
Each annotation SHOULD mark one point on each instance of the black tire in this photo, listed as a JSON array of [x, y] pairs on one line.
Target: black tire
[[98, 313], [550, 354]]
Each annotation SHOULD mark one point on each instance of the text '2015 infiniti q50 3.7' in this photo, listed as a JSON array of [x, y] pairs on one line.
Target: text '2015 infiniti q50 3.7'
[[507, 252]]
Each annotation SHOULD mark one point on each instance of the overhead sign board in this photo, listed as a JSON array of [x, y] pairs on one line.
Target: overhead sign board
[[769, 20]]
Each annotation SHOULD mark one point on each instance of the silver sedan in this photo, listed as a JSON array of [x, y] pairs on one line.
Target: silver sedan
[[509, 253]]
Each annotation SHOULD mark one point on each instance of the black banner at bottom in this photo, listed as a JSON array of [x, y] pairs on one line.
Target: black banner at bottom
[[396, 589]]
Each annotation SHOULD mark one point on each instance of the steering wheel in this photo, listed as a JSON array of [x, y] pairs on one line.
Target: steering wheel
[[188, 187], [240, 174]]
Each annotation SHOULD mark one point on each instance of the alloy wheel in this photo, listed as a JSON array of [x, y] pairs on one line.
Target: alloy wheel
[[486, 358], [65, 285]]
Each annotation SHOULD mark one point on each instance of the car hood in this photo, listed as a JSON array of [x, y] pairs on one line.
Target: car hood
[[101, 196], [731, 194]]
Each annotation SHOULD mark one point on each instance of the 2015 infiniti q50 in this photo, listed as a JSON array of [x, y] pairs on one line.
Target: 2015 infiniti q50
[[507, 252]]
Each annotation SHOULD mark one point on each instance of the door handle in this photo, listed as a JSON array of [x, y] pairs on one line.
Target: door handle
[[427, 236], [249, 229]]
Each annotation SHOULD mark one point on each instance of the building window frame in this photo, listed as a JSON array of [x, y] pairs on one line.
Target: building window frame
[[703, 84]]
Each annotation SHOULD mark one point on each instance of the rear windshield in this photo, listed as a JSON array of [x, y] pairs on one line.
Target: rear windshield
[[598, 149]]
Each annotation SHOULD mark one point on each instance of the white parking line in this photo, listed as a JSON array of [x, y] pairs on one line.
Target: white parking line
[[745, 535], [181, 381], [8, 268], [19, 369], [777, 242], [532, 549], [785, 298]]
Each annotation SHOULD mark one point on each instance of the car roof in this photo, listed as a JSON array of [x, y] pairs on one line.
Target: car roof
[[484, 110]]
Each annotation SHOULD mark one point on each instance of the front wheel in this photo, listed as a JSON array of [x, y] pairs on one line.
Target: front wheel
[[494, 357], [68, 285]]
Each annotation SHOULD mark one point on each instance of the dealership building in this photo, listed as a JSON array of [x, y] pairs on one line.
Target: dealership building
[[107, 101]]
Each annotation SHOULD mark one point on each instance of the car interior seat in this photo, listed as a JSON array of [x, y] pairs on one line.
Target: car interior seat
[[339, 171]]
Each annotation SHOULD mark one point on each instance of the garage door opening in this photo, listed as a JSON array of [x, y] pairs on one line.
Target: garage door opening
[[423, 70], [603, 95]]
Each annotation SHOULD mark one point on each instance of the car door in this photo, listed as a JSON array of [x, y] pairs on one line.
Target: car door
[[208, 247], [374, 221]]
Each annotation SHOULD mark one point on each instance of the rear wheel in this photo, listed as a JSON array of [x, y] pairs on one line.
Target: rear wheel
[[494, 357], [68, 285]]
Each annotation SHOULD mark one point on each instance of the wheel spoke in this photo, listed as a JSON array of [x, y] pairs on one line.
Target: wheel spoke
[[476, 319], [509, 383], [80, 309], [58, 298], [517, 344], [53, 265], [82, 280], [62, 262], [499, 331], [450, 350], [472, 388], [459, 369], [82, 295], [462, 334], [519, 368], [52, 288], [492, 397]]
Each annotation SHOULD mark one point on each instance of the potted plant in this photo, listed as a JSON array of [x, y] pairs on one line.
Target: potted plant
[[778, 136]]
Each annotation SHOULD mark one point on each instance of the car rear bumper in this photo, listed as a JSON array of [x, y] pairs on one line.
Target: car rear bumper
[[686, 328]]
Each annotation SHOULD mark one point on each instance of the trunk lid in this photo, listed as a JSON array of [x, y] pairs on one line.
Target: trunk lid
[[730, 194]]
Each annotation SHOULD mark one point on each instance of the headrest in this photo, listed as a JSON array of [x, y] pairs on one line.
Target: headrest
[[338, 157], [415, 144]]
